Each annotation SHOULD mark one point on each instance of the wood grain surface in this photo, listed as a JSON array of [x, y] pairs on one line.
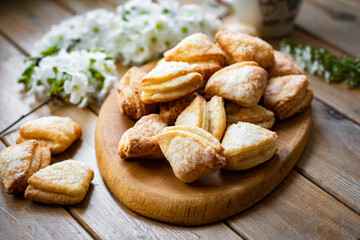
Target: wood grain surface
[[11, 92], [151, 189], [23, 219], [297, 210], [336, 21], [323, 163], [332, 156]]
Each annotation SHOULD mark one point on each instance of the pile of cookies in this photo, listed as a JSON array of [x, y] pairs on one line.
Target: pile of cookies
[[211, 93], [25, 167]]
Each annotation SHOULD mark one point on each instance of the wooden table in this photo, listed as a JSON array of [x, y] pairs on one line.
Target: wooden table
[[320, 199]]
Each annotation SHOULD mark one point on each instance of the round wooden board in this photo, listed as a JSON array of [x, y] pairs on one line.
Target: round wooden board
[[150, 188]]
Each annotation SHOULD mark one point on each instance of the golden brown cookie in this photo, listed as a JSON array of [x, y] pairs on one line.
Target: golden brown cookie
[[287, 95], [21, 161], [209, 116], [208, 67], [196, 114], [257, 115], [191, 151], [169, 81], [247, 145], [140, 140], [64, 182], [284, 65], [198, 49], [217, 117], [56, 133], [242, 83], [129, 95], [240, 47], [171, 110]]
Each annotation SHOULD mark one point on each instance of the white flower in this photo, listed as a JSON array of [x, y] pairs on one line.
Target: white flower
[[85, 75], [139, 31], [83, 102], [108, 85], [76, 87]]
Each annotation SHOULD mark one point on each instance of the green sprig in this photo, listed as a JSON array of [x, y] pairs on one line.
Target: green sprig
[[25, 77], [50, 51], [321, 62]]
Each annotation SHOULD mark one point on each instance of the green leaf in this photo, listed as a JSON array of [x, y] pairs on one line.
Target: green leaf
[[55, 70], [92, 61], [50, 51], [25, 77]]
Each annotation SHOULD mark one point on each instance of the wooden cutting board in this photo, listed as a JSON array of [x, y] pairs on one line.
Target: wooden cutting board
[[150, 188]]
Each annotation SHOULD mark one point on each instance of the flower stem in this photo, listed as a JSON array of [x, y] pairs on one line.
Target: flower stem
[[25, 115]]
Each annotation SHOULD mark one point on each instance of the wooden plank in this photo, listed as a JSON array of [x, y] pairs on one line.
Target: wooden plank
[[297, 209], [10, 227], [11, 93], [82, 6], [22, 219], [332, 156], [338, 97], [24, 22], [334, 21]]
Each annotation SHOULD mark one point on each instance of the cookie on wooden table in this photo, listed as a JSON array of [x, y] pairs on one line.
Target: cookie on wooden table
[[257, 115], [242, 83], [21, 161], [209, 116], [140, 140], [284, 65], [247, 145], [65, 182], [171, 110], [56, 133], [196, 114], [199, 50], [129, 95], [191, 151], [241, 47], [287, 95], [169, 81], [217, 117]]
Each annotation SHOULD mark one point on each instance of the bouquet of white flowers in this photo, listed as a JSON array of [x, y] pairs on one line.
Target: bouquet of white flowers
[[138, 32], [77, 77], [63, 64]]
